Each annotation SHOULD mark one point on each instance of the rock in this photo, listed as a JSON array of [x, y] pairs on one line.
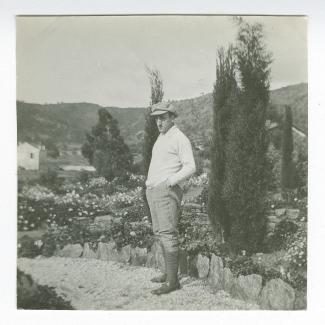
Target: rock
[[106, 219], [228, 280], [84, 221], [138, 256], [248, 287], [300, 301], [277, 295], [192, 206], [151, 261], [112, 252], [88, 252], [280, 212], [192, 268], [216, 272], [273, 219], [203, 265], [292, 214], [125, 254], [182, 262], [102, 253], [103, 222], [70, 250], [270, 226], [202, 215]]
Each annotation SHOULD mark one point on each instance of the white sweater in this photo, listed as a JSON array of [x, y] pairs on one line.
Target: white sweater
[[172, 158]]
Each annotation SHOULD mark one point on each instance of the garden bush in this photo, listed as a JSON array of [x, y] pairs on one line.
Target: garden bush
[[28, 247], [282, 234], [30, 295]]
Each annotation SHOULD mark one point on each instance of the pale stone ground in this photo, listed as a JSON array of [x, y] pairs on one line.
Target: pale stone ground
[[95, 284]]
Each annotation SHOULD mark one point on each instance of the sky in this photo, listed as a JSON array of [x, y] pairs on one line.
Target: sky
[[102, 59]]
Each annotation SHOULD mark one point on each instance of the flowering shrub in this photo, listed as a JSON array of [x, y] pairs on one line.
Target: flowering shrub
[[57, 237], [121, 231], [282, 234], [296, 249], [137, 234], [58, 209], [195, 237], [122, 200], [37, 193], [132, 213], [200, 180]]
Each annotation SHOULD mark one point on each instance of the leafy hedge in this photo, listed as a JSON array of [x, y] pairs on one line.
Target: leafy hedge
[[30, 295]]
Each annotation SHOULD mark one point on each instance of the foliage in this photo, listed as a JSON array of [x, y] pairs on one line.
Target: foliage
[[31, 295], [282, 233], [28, 247], [296, 249], [239, 165], [105, 148], [150, 129], [245, 184], [60, 210], [76, 232], [195, 237], [196, 181], [51, 148], [274, 159], [84, 176], [224, 101], [244, 265], [50, 179], [287, 165]]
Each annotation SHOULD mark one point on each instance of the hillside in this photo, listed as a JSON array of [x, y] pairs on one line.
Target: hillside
[[297, 97], [195, 115], [68, 123]]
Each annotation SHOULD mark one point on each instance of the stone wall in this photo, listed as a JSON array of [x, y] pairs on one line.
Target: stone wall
[[274, 295]]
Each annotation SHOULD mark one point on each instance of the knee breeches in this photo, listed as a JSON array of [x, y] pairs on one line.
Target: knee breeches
[[164, 203]]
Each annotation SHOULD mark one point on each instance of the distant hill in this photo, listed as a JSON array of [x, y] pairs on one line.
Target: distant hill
[[195, 115], [68, 123], [297, 97]]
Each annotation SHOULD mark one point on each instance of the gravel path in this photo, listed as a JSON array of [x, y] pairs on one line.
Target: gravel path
[[95, 284]]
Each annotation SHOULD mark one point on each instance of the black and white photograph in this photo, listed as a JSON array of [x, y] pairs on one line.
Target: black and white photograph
[[162, 162]]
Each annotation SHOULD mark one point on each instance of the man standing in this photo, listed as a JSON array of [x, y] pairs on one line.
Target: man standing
[[171, 163]]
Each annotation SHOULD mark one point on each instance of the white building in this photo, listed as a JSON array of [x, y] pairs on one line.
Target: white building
[[30, 156]]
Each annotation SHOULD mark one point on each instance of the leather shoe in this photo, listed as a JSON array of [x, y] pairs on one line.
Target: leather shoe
[[166, 288]]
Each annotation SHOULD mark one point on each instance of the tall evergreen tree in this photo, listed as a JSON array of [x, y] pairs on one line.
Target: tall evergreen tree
[[225, 95], [150, 130], [246, 162], [105, 148], [287, 166]]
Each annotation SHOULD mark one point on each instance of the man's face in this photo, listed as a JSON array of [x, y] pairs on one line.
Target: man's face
[[164, 122]]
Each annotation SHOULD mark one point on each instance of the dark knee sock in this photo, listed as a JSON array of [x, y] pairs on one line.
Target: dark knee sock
[[172, 267]]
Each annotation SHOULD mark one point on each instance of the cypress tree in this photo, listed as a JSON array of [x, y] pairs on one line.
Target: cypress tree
[[150, 130], [105, 148], [287, 166], [246, 164], [224, 100]]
